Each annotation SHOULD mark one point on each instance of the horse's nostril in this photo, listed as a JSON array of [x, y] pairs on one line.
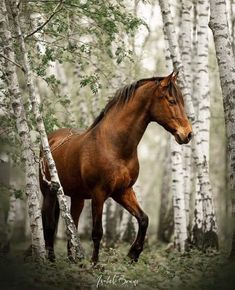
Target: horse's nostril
[[190, 136]]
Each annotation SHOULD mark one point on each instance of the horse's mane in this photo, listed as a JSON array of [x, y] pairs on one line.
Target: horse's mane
[[122, 96]]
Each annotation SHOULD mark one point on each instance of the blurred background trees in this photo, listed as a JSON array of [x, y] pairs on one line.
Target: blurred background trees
[[80, 53]]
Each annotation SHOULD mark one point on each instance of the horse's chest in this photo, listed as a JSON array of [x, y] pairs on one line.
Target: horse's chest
[[121, 176], [109, 173]]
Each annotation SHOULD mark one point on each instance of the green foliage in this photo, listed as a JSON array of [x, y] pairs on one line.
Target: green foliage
[[92, 81], [50, 121], [83, 31], [93, 37]]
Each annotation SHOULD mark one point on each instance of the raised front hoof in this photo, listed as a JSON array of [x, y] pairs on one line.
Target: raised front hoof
[[95, 263]]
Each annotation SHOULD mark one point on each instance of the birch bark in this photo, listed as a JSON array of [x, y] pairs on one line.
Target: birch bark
[[177, 184], [109, 220], [225, 58], [76, 248], [204, 208], [185, 41], [210, 238], [32, 189]]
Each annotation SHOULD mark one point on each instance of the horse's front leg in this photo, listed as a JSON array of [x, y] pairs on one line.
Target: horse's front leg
[[97, 230], [128, 200]]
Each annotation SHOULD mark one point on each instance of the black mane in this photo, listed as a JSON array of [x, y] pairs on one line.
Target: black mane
[[122, 96]]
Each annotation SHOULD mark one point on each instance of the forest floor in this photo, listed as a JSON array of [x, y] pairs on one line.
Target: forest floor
[[157, 269]]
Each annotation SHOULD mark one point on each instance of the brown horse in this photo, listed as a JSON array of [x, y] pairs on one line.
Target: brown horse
[[102, 162]]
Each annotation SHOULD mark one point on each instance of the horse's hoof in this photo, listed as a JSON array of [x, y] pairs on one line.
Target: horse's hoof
[[133, 258]]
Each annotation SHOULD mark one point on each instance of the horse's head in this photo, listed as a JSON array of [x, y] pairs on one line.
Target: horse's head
[[167, 109]]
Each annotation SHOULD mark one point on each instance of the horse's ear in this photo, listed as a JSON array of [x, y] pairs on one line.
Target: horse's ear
[[166, 80], [175, 75]]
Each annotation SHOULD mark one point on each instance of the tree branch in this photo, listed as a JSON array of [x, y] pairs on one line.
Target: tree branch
[[56, 10], [15, 63]]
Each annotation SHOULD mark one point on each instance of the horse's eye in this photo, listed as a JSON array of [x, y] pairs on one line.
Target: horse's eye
[[172, 102]]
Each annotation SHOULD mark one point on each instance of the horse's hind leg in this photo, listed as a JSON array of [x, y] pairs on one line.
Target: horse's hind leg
[[97, 230], [77, 205], [129, 202], [50, 217]]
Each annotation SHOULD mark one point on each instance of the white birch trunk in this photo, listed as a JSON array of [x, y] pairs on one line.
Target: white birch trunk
[[180, 225], [124, 224], [177, 184], [185, 49], [76, 249], [202, 167], [3, 99], [204, 208], [104, 218], [109, 220], [219, 26], [32, 189], [83, 112]]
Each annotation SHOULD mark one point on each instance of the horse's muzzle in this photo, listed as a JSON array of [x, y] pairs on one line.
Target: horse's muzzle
[[182, 139]]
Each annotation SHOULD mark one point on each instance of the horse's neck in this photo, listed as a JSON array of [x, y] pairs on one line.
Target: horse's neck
[[123, 128]]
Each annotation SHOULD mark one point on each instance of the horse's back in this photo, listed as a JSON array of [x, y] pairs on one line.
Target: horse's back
[[60, 135]]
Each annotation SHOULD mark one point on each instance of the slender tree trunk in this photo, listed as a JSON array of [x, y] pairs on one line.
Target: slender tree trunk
[[166, 221], [219, 26], [177, 182], [177, 178], [109, 219], [204, 208], [180, 224], [32, 189], [201, 165], [185, 42], [76, 249]]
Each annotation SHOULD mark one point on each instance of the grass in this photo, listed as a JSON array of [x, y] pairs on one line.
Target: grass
[[156, 269]]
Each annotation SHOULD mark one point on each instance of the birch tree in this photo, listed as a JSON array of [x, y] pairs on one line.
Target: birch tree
[[209, 238], [225, 58], [177, 174], [32, 188], [185, 41], [203, 203], [76, 249]]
